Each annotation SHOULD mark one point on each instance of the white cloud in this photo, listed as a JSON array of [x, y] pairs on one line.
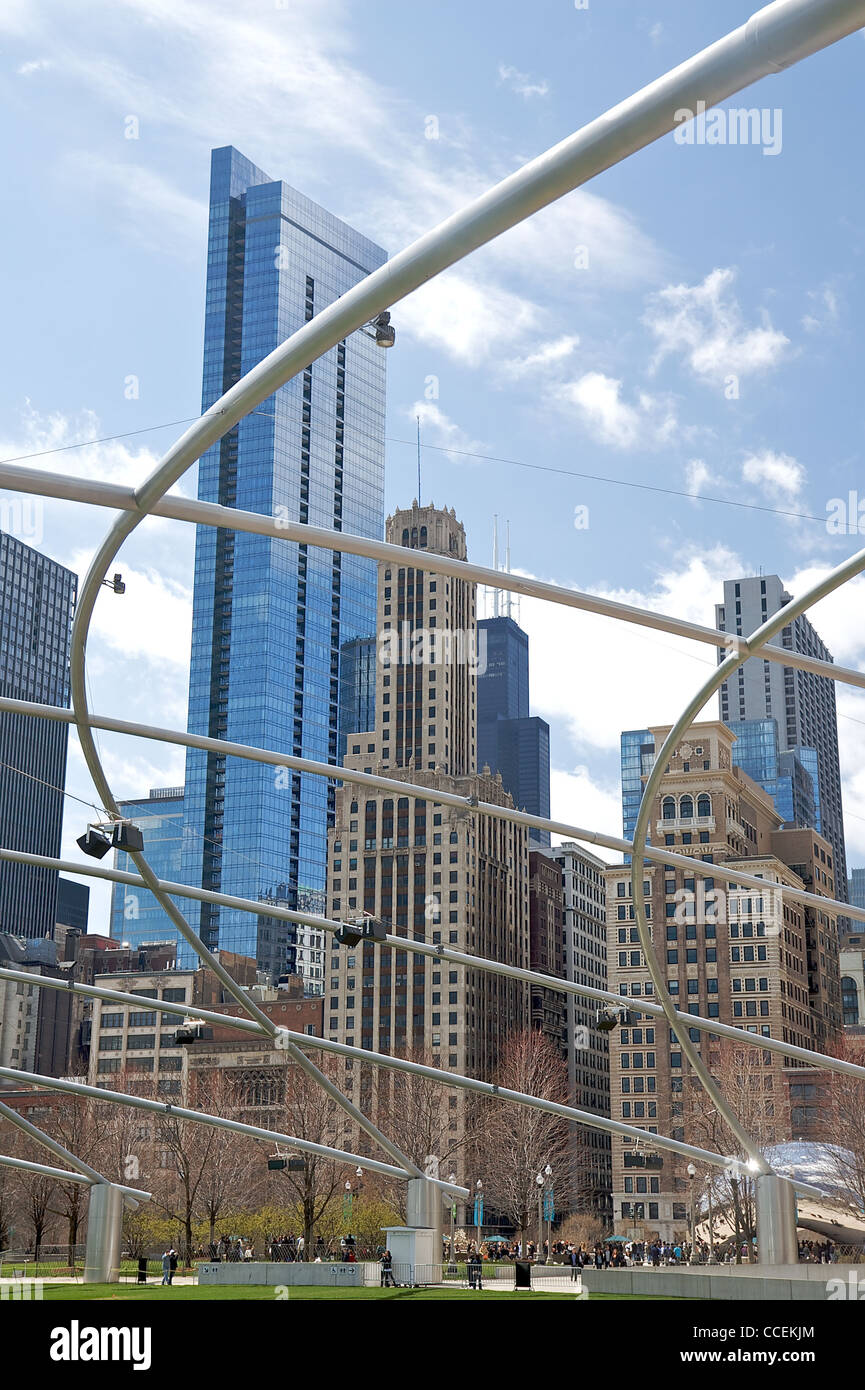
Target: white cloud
[[826, 310], [597, 400], [778, 475], [34, 65], [588, 802], [468, 318], [698, 475], [521, 82], [156, 212], [705, 326], [557, 350], [444, 432]]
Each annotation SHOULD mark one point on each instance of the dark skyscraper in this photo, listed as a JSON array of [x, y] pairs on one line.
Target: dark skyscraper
[[37, 600], [510, 741], [803, 704], [271, 617]]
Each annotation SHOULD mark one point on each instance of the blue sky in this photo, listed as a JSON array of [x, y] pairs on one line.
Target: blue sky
[[599, 338]]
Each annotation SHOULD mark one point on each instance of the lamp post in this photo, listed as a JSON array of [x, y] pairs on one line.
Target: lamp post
[[453, 1264], [479, 1213], [692, 1174], [540, 1182], [548, 1201], [734, 1183], [711, 1222]]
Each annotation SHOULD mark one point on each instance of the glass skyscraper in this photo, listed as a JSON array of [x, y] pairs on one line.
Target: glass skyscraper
[[136, 916], [510, 740], [792, 784], [37, 601], [637, 757], [271, 617], [803, 704]]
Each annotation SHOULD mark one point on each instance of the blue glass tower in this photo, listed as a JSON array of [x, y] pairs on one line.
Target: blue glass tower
[[637, 757], [136, 916], [37, 602], [789, 777], [510, 741], [270, 617]]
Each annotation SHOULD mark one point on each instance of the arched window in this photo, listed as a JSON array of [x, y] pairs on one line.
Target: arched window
[[849, 1000], [405, 536], [423, 537], [704, 805], [668, 810], [686, 808]]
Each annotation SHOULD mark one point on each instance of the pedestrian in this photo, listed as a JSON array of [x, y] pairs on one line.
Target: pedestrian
[[387, 1279], [166, 1268], [172, 1264]]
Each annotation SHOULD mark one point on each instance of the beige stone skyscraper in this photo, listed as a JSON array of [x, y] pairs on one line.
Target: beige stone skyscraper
[[746, 958], [433, 872]]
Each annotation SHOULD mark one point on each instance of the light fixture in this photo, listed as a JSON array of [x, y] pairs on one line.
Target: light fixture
[[385, 334], [608, 1018], [127, 836], [540, 1180], [692, 1172], [94, 843], [115, 584]]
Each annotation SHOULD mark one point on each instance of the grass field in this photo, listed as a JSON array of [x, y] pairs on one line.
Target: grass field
[[190, 1293]]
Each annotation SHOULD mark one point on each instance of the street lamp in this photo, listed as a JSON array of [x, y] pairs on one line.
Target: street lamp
[[540, 1182], [692, 1173], [548, 1198], [452, 1177]]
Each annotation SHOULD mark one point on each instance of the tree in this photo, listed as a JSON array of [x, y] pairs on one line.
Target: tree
[[82, 1128], [519, 1141], [309, 1113], [845, 1127], [423, 1117]]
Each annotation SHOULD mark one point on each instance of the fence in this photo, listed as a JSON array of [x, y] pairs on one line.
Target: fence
[[54, 1262]]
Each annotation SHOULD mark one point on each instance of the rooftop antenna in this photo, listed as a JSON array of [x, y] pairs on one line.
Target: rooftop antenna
[[509, 602], [417, 417], [495, 595]]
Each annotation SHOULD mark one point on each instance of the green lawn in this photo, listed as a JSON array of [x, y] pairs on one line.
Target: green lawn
[[191, 1292]]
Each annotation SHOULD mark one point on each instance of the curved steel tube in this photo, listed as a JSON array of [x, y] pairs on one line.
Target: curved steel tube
[[847, 570]]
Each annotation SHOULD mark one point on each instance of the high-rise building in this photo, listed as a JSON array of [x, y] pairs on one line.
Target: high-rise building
[[637, 759], [548, 1013], [803, 704], [743, 957], [271, 617], [136, 917], [856, 889], [424, 868], [73, 904], [510, 740], [784, 776], [588, 1052], [37, 601]]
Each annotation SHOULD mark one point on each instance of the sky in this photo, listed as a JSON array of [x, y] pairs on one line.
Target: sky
[[687, 322]]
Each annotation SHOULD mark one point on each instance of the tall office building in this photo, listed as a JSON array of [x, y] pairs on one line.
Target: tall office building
[[737, 955], [803, 704], [422, 867], [270, 617], [37, 601], [588, 1050], [73, 904], [856, 890], [136, 917], [510, 740], [794, 789], [637, 758]]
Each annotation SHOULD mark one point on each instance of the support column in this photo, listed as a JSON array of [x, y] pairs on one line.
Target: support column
[[776, 1221], [104, 1234]]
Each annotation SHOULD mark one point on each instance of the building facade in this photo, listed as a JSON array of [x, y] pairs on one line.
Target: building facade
[[136, 916], [794, 789], [420, 866], [37, 604], [584, 938], [803, 704], [271, 617], [726, 953], [510, 740]]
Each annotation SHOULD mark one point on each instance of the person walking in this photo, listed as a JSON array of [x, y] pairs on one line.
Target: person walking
[[166, 1268], [172, 1264]]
